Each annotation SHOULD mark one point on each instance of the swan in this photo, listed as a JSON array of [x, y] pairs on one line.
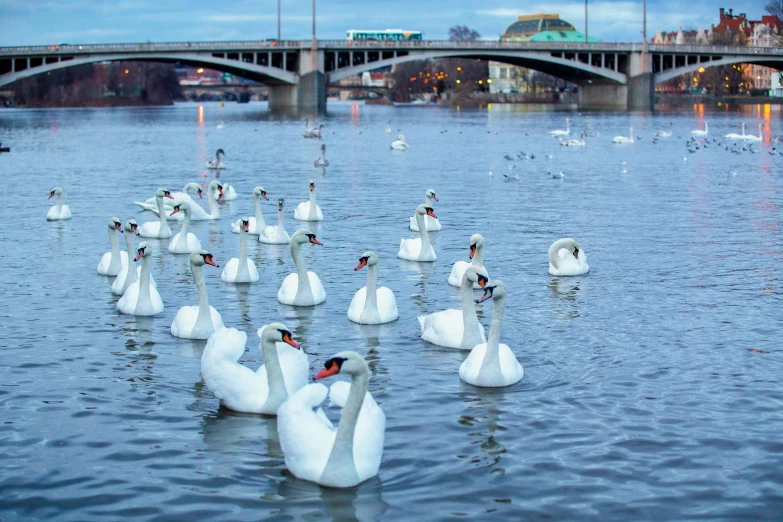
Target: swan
[[197, 322], [285, 369], [560, 261], [129, 274], [276, 234], [387, 130], [381, 306], [666, 133], [309, 210], [735, 136], [141, 297], [574, 143], [152, 205], [566, 132], [457, 328], [751, 137], [59, 210], [302, 288], [197, 213], [228, 193], [698, 132], [477, 256], [160, 229], [624, 139], [257, 223], [241, 269], [184, 242], [400, 143], [321, 160], [419, 248], [112, 262], [433, 224], [491, 364], [313, 132], [216, 164], [313, 449]]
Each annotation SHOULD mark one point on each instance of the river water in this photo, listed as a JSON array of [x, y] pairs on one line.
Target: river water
[[652, 385]]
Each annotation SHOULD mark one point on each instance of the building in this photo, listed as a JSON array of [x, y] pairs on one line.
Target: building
[[530, 28]]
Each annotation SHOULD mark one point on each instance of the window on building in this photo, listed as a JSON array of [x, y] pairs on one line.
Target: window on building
[[504, 72]]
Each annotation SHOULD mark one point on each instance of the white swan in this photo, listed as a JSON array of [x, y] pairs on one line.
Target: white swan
[[276, 235], [419, 248], [241, 269], [130, 273], [285, 369], [457, 328], [370, 304], [735, 136], [433, 224], [566, 132], [313, 132], [184, 242], [152, 205], [387, 130], [313, 449], [492, 364], [309, 210], [113, 261], [159, 229], [141, 297], [321, 160], [399, 144], [228, 193], [564, 259], [477, 257], [699, 132], [751, 137], [666, 133], [59, 210], [216, 164], [197, 213], [302, 288], [624, 139], [197, 322], [257, 223], [574, 143]]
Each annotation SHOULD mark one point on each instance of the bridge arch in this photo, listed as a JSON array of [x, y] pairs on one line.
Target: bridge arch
[[570, 70], [772, 61], [263, 74]]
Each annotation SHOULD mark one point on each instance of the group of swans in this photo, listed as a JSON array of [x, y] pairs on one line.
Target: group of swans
[[745, 137], [60, 210], [215, 195], [433, 224]]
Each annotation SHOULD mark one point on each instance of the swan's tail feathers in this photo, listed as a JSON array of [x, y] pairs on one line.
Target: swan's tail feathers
[[338, 393], [421, 319], [311, 395], [228, 337], [146, 206]]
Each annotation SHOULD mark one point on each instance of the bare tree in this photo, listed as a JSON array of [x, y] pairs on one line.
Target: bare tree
[[463, 33], [775, 8]]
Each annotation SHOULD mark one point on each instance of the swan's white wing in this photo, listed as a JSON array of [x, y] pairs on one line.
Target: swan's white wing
[[319, 294], [287, 291], [368, 438], [509, 365], [295, 365], [387, 304], [357, 304], [443, 328], [457, 271], [469, 369], [305, 439]]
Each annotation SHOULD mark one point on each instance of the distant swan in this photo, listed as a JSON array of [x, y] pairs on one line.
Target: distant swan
[[151, 204], [313, 132], [751, 137], [321, 160], [698, 132], [433, 224], [400, 143], [309, 210], [560, 132], [216, 164], [666, 133], [624, 139], [735, 136], [564, 259], [574, 143], [113, 261], [59, 210]]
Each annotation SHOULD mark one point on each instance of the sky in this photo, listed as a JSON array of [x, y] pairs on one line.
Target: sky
[[46, 22]]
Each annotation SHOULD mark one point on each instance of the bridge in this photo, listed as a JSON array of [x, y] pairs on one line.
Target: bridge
[[609, 75]]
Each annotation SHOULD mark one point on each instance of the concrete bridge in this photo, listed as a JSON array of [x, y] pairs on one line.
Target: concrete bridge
[[609, 75]]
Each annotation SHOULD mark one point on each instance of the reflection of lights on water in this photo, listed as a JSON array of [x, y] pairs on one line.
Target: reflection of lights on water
[[200, 115]]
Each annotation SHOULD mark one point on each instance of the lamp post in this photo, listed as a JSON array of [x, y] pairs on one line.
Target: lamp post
[[644, 29], [278, 20], [585, 21]]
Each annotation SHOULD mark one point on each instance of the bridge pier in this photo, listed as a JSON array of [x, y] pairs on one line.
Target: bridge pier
[[603, 96], [309, 93]]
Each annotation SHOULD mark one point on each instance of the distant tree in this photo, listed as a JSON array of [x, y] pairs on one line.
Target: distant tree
[[463, 33], [775, 8]]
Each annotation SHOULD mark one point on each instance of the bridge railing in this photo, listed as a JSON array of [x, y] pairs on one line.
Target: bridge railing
[[154, 47]]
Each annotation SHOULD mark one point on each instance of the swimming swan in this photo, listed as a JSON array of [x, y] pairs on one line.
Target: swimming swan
[[302, 288], [564, 259], [241, 269], [257, 223], [419, 248], [113, 261], [129, 274], [184, 242], [698, 132], [574, 143], [399, 144], [309, 210], [370, 304], [624, 139], [59, 211], [566, 132], [276, 235], [735, 136], [216, 164], [313, 449], [433, 224], [321, 160], [477, 257], [197, 322], [141, 297], [159, 229]]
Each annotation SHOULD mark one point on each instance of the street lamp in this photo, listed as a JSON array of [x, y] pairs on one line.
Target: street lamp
[[644, 29], [585, 21], [278, 20]]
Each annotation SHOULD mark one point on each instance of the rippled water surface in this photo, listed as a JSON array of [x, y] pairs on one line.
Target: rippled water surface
[[652, 386]]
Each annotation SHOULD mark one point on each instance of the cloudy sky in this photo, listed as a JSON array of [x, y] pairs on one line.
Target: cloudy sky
[[30, 22]]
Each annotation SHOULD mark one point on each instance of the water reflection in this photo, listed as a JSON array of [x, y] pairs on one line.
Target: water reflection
[[564, 291], [230, 437], [363, 503], [483, 406]]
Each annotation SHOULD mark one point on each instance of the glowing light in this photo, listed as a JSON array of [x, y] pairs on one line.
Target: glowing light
[[127, 71], [458, 81], [489, 80], [459, 68], [200, 70], [480, 82], [701, 69], [200, 115]]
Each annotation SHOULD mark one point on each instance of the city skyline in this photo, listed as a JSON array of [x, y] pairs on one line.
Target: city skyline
[[45, 22]]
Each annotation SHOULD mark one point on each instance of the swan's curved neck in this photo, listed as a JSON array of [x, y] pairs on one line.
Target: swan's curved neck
[[428, 200], [116, 262], [130, 276], [313, 213], [469, 317], [425, 237], [303, 290], [242, 267], [554, 252], [340, 464], [371, 296], [214, 210], [203, 300], [61, 199], [275, 378], [491, 362], [144, 283], [280, 218], [478, 255], [161, 212], [260, 224], [183, 233]]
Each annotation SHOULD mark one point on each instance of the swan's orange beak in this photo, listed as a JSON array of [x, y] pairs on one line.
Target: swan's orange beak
[[472, 251], [176, 209], [200, 194], [290, 340], [576, 253], [210, 261], [314, 240], [482, 281], [246, 226], [334, 369], [135, 229], [168, 195], [434, 197], [362, 264], [431, 213], [312, 187], [119, 228], [138, 255], [263, 195], [51, 195]]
